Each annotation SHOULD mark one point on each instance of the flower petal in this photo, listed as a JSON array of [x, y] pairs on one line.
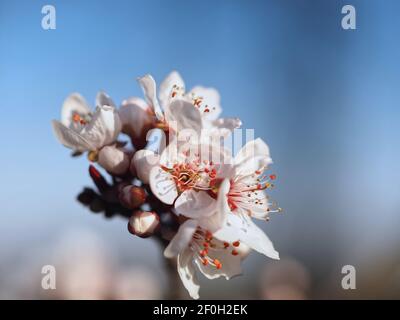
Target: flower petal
[[70, 138], [254, 148], [104, 127], [103, 99], [209, 106], [223, 127], [182, 239], [173, 79], [148, 85], [218, 218], [144, 161], [162, 185], [114, 160], [244, 229], [230, 264], [252, 157], [195, 205], [187, 273], [74, 104], [181, 114]]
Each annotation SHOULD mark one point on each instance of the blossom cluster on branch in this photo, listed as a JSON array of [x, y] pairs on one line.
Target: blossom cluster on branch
[[177, 165]]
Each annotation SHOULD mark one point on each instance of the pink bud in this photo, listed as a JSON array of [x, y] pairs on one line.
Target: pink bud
[[144, 223], [132, 197], [114, 160]]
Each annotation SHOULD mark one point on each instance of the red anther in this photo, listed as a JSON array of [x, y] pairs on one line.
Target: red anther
[[226, 245], [173, 94], [257, 172], [206, 110], [259, 186], [76, 117], [206, 244], [204, 262], [272, 176], [203, 253], [234, 252], [236, 243], [217, 263]]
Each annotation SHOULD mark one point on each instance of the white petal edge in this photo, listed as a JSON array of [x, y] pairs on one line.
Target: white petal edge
[[162, 185], [195, 205], [251, 149], [144, 160], [182, 239], [70, 138], [244, 229], [148, 85], [187, 273], [218, 219], [103, 99]]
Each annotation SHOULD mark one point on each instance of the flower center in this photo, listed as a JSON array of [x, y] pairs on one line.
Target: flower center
[[195, 175], [77, 118], [185, 176]]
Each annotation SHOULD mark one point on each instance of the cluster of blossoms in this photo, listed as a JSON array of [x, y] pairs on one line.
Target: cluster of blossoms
[[211, 195]]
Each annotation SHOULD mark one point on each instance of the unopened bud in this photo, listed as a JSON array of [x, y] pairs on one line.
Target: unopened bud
[[132, 197], [98, 179], [137, 120], [114, 160], [144, 223]]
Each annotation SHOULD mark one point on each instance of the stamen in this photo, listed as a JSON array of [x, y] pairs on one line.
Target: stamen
[[78, 119], [217, 263]]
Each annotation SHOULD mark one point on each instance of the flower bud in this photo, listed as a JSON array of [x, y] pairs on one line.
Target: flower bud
[[132, 197], [144, 223], [114, 160], [136, 119]]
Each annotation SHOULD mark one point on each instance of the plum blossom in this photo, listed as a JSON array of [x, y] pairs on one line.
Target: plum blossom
[[215, 254], [248, 182], [82, 130], [192, 193], [172, 110]]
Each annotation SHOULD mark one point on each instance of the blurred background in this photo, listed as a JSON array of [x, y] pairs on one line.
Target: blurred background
[[325, 99]]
